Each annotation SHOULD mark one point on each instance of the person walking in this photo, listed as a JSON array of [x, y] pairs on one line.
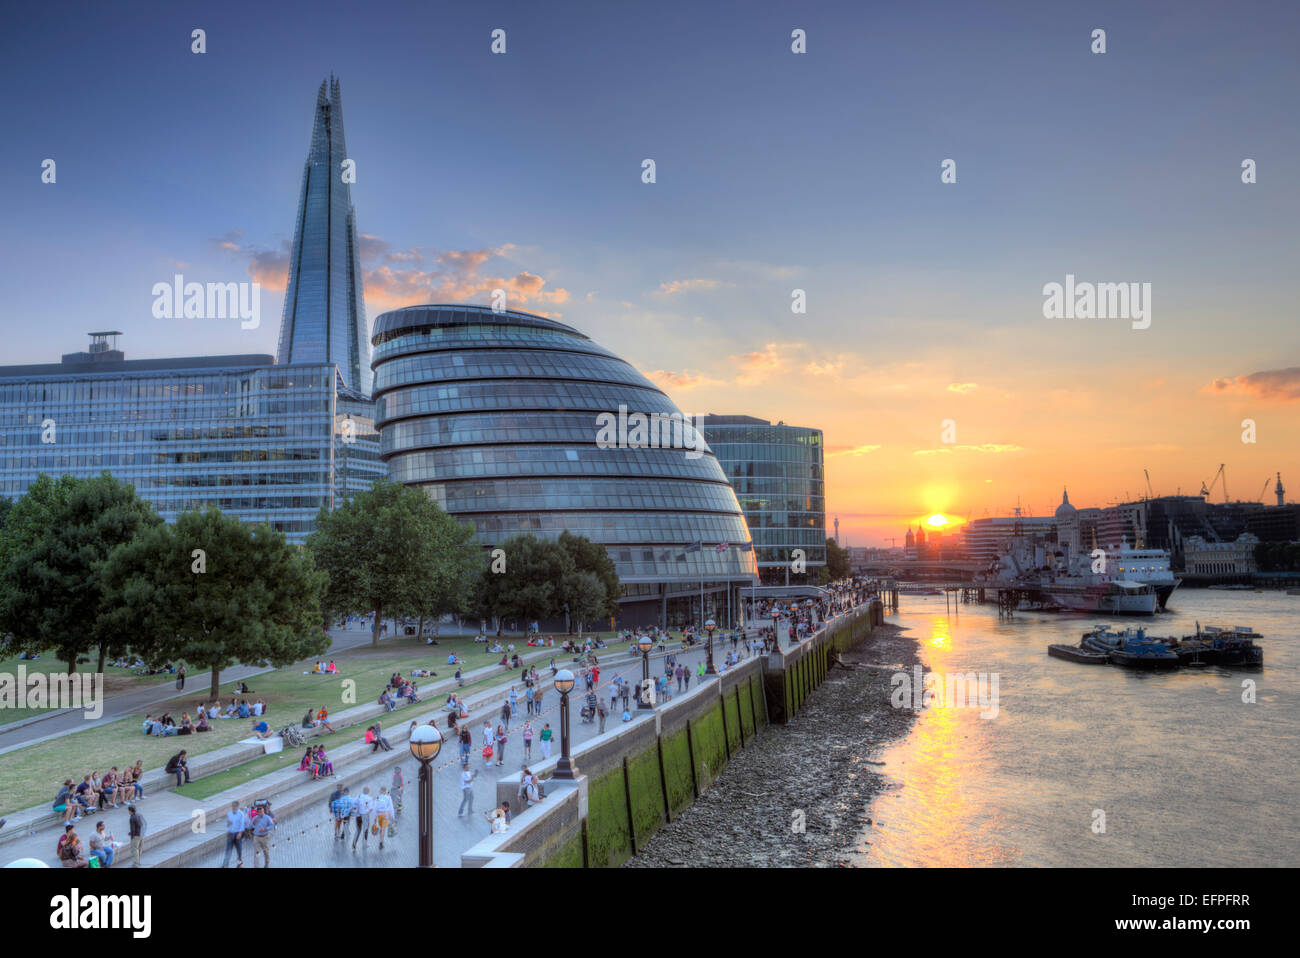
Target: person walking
[[537, 700], [603, 713], [546, 741], [528, 741], [383, 815], [505, 714], [136, 833], [236, 824], [399, 783], [341, 806], [678, 672], [466, 742], [501, 738], [686, 677], [613, 690], [514, 701], [263, 825], [466, 791], [626, 692], [180, 679], [363, 810]]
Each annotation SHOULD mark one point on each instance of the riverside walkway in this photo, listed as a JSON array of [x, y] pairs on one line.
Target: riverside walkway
[[304, 835]]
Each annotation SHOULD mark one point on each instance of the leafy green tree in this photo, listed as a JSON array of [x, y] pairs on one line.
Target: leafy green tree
[[591, 557], [586, 596], [530, 587], [391, 551], [62, 533], [837, 561], [217, 592]]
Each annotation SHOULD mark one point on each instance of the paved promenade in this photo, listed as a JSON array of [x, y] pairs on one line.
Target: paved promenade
[[304, 839]]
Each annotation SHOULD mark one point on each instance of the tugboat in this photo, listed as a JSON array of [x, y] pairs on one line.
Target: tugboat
[[1235, 646], [1132, 649]]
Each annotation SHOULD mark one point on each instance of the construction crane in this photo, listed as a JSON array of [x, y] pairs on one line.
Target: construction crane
[[1150, 494], [1265, 489], [1206, 490]]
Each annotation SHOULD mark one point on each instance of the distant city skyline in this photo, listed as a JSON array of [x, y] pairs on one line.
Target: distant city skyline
[[775, 172]]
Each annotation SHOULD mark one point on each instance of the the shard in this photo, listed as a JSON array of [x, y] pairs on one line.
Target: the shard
[[324, 312]]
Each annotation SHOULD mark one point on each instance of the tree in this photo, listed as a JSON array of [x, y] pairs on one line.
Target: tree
[[217, 592], [594, 558], [391, 550], [54, 596], [531, 585], [586, 596], [837, 561]]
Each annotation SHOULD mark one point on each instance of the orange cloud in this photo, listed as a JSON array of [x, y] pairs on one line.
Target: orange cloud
[[667, 379], [756, 365], [850, 450], [1278, 385], [962, 388], [990, 447]]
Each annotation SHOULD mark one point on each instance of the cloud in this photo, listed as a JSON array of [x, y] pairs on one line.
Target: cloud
[[755, 366], [850, 450], [673, 287], [667, 379], [1280, 385], [962, 388], [831, 367], [988, 447], [394, 278]]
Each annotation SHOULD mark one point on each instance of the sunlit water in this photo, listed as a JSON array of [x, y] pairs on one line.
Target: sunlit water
[[1184, 771]]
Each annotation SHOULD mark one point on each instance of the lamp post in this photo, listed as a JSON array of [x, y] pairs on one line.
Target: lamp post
[[776, 628], [709, 626], [426, 743], [564, 685], [644, 699]]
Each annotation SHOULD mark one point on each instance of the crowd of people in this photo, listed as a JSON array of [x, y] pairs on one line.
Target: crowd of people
[[95, 792]]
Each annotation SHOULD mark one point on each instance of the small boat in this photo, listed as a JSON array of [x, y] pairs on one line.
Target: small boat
[[1131, 648], [1075, 653]]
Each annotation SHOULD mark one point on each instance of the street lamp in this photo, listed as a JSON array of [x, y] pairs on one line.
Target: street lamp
[[709, 626], [776, 625], [644, 699], [426, 743], [564, 685]]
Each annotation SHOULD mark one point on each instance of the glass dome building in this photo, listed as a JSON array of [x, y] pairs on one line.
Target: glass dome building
[[496, 415]]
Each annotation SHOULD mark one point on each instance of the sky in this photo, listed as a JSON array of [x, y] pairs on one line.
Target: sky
[[924, 354]]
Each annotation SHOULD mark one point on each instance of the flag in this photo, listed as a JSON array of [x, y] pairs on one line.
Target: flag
[[724, 546], [695, 546], [745, 547]]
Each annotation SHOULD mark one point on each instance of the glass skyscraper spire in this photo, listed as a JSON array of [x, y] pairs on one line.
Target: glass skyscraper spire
[[324, 312]]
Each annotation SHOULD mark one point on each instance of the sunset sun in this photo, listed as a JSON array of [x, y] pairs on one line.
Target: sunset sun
[[937, 521]]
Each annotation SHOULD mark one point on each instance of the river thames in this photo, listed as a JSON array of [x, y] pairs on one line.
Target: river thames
[[1178, 769]]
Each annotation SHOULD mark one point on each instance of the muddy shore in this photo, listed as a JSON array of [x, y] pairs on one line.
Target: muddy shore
[[820, 772]]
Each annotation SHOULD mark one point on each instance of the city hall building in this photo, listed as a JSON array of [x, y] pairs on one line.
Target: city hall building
[[497, 417], [262, 442]]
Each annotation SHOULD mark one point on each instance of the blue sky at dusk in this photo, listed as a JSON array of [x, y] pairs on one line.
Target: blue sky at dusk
[[775, 171]]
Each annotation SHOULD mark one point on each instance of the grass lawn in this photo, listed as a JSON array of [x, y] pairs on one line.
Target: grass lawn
[[115, 680], [33, 775]]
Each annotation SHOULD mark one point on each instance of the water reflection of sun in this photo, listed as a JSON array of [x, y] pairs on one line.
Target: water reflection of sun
[[940, 635]]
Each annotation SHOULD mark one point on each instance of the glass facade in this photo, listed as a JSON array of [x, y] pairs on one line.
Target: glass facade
[[324, 314], [777, 474], [494, 415], [262, 442]]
